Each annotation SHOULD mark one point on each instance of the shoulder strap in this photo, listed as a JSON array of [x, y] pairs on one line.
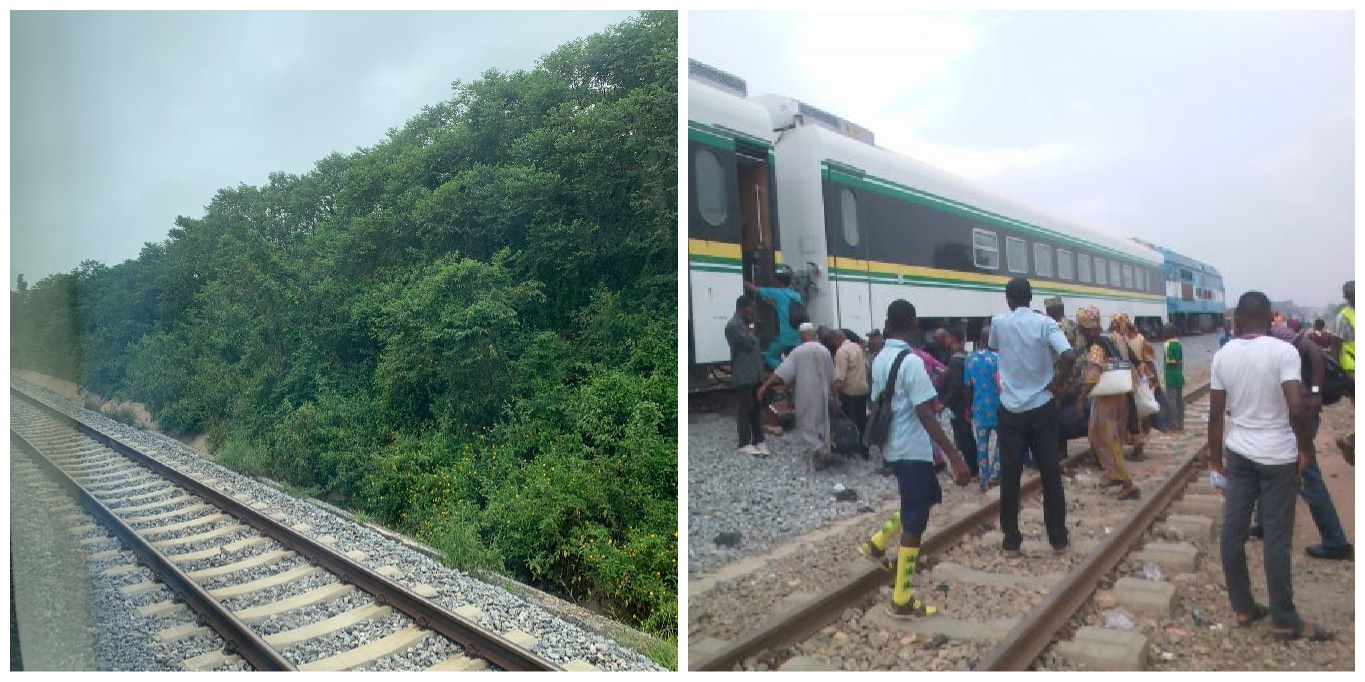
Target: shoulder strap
[[889, 392]]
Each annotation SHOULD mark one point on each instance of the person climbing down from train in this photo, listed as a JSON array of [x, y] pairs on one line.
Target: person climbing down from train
[[909, 450], [1175, 376], [746, 369], [851, 381], [809, 371], [1028, 417], [1143, 358], [786, 300], [1254, 384], [953, 393], [1313, 490], [982, 395], [1108, 413]]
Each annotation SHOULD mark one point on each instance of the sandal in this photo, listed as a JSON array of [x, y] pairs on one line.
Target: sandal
[[1132, 493], [1257, 613], [1316, 635]]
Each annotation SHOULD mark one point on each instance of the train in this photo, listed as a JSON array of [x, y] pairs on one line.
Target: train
[[776, 181], [1195, 302]]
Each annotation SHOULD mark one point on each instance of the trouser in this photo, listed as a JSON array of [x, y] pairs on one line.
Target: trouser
[[1175, 397], [1273, 486], [988, 467], [965, 442], [1037, 431], [749, 416], [855, 408], [1319, 501]]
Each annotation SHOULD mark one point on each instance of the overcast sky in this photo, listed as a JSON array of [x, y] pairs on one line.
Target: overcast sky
[[1228, 137], [120, 121]]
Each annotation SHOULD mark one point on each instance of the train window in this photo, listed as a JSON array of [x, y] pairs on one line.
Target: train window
[[848, 207], [1142, 280], [1016, 252], [985, 249], [1115, 274], [1100, 277], [1064, 268], [1129, 279], [1083, 267], [710, 178], [1042, 260]]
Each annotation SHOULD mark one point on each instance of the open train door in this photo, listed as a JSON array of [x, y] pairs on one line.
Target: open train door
[[849, 275], [758, 237]]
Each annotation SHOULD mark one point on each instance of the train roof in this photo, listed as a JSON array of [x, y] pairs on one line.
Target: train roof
[[1181, 259], [715, 99], [888, 165]]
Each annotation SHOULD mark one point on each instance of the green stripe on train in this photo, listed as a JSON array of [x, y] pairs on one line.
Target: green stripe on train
[[727, 134], [971, 286], [899, 191]]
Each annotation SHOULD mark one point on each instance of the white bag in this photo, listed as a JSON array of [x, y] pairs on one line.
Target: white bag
[[1116, 380], [1144, 399]]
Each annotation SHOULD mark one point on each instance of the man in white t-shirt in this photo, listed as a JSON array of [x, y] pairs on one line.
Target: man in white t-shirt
[[1255, 381]]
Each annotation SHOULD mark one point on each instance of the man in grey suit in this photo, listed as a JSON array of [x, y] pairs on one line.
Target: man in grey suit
[[746, 361]]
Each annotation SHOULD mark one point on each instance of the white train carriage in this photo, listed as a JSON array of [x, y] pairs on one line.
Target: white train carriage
[[866, 226]]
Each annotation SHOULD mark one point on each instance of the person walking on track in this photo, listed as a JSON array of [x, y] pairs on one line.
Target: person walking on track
[[908, 449], [1108, 413]]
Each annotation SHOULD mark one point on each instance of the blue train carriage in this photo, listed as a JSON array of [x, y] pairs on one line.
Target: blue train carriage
[[731, 230], [1195, 300], [866, 226]]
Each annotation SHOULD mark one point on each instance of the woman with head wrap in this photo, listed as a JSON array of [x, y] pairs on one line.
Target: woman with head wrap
[[1108, 413], [1143, 357]]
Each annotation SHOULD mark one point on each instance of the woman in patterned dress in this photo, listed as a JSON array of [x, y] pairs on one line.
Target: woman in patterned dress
[[1143, 357], [1108, 413]]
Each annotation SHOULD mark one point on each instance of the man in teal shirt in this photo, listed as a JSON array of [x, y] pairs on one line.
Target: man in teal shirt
[[782, 298]]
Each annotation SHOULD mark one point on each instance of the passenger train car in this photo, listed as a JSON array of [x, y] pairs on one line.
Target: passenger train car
[[1195, 300], [862, 226]]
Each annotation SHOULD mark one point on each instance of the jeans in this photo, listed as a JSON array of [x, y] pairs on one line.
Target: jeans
[[855, 408], [965, 442], [1319, 501], [1273, 486], [1036, 431]]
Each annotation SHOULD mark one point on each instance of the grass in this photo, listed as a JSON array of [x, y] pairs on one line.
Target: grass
[[122, 414], [661, 651]]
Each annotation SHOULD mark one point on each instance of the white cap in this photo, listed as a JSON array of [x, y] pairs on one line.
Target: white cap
[[806, 327]]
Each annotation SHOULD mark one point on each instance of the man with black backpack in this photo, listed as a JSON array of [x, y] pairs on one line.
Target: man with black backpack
[[791, 314], [1313, 490]]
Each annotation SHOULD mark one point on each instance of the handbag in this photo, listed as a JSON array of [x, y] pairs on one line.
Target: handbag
[[879, 419], [1118, 373], [1144, 399]]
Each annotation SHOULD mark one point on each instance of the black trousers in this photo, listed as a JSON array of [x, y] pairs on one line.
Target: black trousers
[[855, 408], [1037, 431], [749, 416], [965, 442]]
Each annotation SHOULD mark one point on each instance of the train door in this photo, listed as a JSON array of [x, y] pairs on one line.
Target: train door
[[758, 239], [846, 237]]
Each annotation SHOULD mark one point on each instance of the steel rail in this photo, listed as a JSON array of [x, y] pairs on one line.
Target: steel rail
[[239, 638], [478, 642], [807, 619]]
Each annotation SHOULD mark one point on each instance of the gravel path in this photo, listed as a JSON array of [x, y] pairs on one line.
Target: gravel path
[[558, 640]]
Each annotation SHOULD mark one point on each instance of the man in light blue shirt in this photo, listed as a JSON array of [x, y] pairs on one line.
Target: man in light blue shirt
[[1028, 421], [910, 454]]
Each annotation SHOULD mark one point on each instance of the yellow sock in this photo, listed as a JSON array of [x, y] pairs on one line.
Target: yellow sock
[[886, 532], [905, 573]]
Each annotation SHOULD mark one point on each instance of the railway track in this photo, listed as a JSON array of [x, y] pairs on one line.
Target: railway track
[[220, 570], [996, 613]]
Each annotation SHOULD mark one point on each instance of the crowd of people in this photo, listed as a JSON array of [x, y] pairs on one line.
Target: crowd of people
[[1031, 381]]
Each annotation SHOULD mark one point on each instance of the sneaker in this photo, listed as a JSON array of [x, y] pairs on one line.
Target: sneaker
[[1347, 553], [914, 609], [747, 450], [876, 556], [762, 449], [1062, 548]]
